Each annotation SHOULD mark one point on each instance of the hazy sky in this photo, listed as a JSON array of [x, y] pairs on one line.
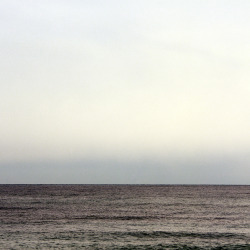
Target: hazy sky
[[125, 91]]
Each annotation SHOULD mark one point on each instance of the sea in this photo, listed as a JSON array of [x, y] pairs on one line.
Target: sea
[[124, 217]]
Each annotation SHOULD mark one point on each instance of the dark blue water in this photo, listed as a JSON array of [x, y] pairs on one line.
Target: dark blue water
[[124, 217]]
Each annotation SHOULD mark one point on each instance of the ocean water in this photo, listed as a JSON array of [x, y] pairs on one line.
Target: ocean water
[[124, 217]]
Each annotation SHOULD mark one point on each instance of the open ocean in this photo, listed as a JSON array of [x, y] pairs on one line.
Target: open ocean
[[124, 217]]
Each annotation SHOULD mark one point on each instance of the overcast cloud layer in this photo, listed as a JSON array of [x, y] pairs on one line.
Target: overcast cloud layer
[[140, 91]]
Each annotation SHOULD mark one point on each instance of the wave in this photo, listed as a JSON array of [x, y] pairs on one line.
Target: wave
[[164, 234], [147, 235], [17, 208], [183, 247], [104, 217]]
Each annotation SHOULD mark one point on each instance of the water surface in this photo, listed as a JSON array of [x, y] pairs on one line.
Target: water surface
[[124, 217]]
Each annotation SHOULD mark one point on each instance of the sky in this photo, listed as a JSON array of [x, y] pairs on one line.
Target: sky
[[142, 91]]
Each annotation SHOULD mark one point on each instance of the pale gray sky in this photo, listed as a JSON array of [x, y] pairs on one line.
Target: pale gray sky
[[147, 87]]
